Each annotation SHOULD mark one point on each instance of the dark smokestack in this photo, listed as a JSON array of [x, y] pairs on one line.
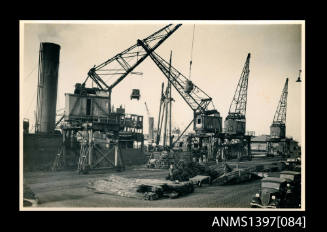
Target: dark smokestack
[[47, 87]]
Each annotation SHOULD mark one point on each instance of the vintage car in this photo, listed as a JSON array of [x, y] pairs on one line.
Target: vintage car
[[272, 193], [293, 187], [292, 164], [293, 178]]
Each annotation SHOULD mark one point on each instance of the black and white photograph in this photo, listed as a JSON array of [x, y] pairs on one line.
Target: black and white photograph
[[162, 115]]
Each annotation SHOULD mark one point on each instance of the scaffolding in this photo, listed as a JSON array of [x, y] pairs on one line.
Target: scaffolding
[[92, 138]]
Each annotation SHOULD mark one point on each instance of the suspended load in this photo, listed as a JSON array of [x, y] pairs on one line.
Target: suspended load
[[135, 94], [188, 87], [299, 78]]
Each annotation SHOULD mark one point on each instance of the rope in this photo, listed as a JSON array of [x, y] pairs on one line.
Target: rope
[[28, 108], [191, 52], [28, 75]]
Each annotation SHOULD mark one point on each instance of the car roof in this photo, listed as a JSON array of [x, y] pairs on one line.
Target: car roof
[[290, 172], [273, 179]]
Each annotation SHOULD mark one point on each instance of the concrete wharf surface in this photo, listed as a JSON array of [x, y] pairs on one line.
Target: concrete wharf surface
[[69, 189]]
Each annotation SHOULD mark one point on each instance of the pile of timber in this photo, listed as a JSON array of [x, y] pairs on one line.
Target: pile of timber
[[236, 176], [199, 180], [116, 185], [216, 174], [273, 167], [147, 189], [29, 197], [171, 190], [185, 171]]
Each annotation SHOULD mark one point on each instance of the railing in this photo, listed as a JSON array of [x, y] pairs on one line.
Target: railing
[[123, 120]]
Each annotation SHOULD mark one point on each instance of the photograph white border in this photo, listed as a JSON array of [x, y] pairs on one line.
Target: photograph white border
[[212, 22]]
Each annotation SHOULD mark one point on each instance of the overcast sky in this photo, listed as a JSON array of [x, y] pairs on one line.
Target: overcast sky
[[219, 54]]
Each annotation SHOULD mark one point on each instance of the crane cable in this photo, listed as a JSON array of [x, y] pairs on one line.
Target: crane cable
[[27, 110], [28, 75], [191, 52]]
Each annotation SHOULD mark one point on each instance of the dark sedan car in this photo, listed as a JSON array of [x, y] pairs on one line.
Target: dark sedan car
[[293, 193], [272, 194], [292, 164], [293, 178]]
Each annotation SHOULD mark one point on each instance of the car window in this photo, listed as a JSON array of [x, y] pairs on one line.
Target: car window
[[272, 185], [287, 176]]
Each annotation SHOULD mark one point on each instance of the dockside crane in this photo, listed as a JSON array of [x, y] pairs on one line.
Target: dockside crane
[[205, 119], [113, 123], [277, 143], [235, 139], [278, 128], [235, 122]]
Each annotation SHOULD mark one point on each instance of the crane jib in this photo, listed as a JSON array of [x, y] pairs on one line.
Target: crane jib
[[197, 103], [160, 36], [144, 57]]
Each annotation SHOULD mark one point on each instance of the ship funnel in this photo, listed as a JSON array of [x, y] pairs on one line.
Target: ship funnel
[[47, 88]]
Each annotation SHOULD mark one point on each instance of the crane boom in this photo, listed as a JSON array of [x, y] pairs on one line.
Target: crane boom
[[238, 105], [204, 120], [119, 66], [197, 99], [280, 114], [278, 127]]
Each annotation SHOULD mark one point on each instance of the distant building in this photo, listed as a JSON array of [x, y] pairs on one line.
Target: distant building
[[289, 146], [294, 148], [259, 144]]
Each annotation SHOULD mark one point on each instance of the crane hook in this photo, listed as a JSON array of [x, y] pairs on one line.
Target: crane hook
[[299, 78]]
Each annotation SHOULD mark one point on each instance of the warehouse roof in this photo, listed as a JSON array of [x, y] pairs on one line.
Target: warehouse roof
[[260, 138]]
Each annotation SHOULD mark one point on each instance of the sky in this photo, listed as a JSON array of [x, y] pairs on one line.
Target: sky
[[219, 53]]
